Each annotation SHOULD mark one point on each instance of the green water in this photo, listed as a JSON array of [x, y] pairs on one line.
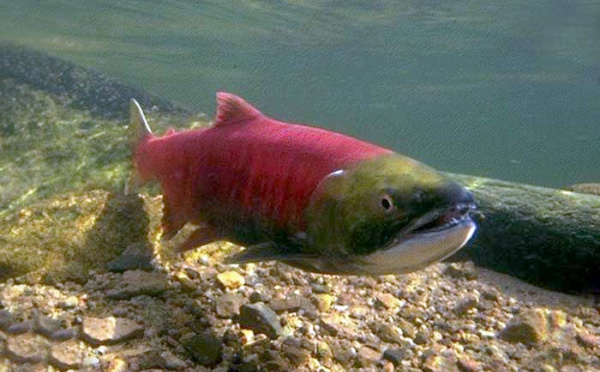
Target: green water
[[506, 89]]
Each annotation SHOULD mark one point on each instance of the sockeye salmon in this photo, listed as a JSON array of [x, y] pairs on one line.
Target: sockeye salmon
[[308, 197]]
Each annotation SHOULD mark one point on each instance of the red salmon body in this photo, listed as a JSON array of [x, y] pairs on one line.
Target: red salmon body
[[245, 176]]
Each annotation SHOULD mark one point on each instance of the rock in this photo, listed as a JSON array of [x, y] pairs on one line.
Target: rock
[[63, 334], [387, 300], [395, 355], [465, 270], [110, 330], [26, 348], [228, 305], [465, 364], [137, 256], [465, 304], [408, 329], [323, 301], [343, 352], [231, 280], [261, 319], [136, 283], [422, 337], [323, 351], [67, 355], [115, 365], [20, 328], [6, 319], [587, 339], [290, 304], [367, 356], [205, 348], [528, 328], [45, 325], [388, 333], [439, 363]]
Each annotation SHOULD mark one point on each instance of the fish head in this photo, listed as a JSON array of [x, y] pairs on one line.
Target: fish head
[[386, 215]]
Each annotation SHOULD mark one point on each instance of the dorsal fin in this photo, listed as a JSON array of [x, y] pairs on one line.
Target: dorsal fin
[[233, 109]]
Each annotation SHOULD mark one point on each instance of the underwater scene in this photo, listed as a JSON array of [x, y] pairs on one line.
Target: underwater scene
[[438, 209]]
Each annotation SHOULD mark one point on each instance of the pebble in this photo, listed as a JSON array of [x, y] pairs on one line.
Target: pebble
[[45, 325], [261, 319], [387, 300], [115, 365], [205, 348], [465, 304], [439, 363], [464, 270], [395, 355], [465, 364], [389, 333], [422, 337], [228, 305], [528, 328], [67, 355], [26, 348], [63, 334], [6, 319], [587, 339], [368, 356], [136, 282], [231, 280], [323, 301], [137, 256], [110, 330], [19, 328], [289, 304], [408, 329]]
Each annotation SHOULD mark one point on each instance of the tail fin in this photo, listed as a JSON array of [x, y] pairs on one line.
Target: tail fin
[[138, 131]]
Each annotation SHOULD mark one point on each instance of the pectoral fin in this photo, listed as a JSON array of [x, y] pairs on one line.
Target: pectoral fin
[[267, 251]]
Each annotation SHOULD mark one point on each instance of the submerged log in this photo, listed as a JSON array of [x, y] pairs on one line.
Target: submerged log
[[545, 236]]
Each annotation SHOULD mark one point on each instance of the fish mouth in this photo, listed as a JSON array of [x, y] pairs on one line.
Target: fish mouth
[[437, 220], [428, 239]]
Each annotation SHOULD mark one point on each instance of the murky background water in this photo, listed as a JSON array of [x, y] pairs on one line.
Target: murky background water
[[506, 89]]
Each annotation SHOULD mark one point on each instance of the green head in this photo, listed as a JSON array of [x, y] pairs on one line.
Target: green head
[[390, 214]]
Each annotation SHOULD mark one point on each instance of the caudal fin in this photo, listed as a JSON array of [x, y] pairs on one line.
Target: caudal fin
[[138, 131]]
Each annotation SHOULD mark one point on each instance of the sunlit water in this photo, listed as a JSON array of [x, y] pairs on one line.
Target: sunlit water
[[507, 89]]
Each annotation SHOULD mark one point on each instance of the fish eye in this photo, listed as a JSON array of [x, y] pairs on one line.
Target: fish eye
[[387, 203]]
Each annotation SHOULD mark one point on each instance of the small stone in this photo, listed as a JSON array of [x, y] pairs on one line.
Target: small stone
[[172, 362], [70, 302], [323, 301], [26, 348], [587, 339], [395, 355], [137, 256], [422, 337], [323, 351], [136, 283], [389, 333], [528, 328], [367, 356], [319, 288], [466, 364], [228, 305], [231, 280], [330, 325], [63, 334], [107, 331], [465, 304], [463, 270], [115, 365], [296, 355], [45, 325], [261, 319], [6, 319], [289, 304], [205, 348], [491, 294], [408, 329], [387, 300], [20, 328], [343, 352], [439, 363], [66, 355]]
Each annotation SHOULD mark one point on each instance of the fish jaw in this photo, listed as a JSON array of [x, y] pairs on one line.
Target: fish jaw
[[419, 250]]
